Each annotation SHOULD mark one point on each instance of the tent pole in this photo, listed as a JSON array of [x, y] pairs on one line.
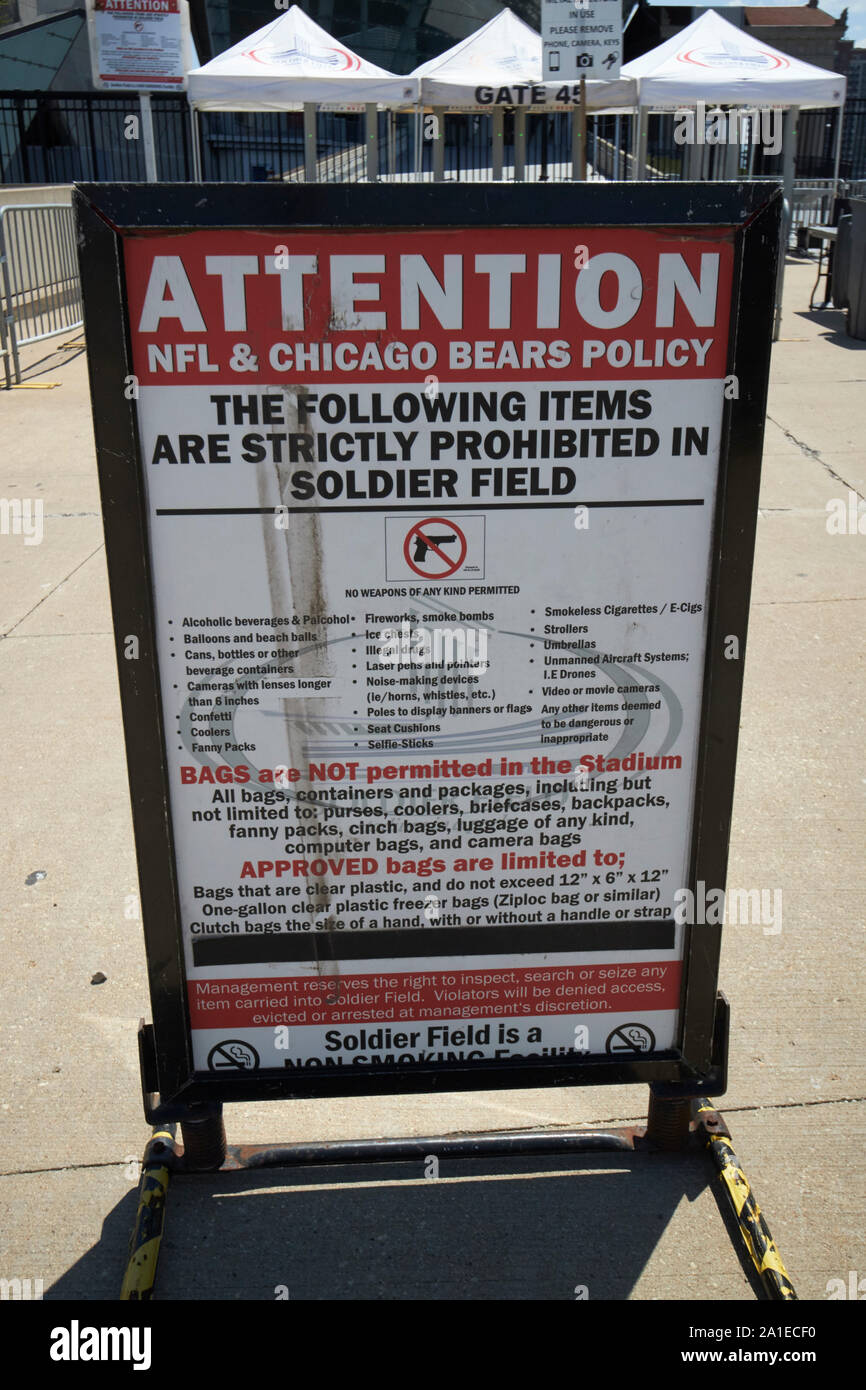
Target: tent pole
[[498, 136], [310, 170], [789, 147], [693, 167], [195, 132], [732, 148], [732, 163], [371, 122], [639, 164], [392, 143], [840, 121], [439, 145], [150, 171], [419, 130], [519, 145], [578, 137]]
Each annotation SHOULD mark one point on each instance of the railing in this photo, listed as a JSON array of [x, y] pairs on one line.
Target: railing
[[813, 204], [40, 294], [610, 150], [853, 163], [61, 137], [66, 136]]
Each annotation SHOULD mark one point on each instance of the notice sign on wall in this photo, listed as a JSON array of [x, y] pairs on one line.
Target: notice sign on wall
[[430, 516], [140, 44]]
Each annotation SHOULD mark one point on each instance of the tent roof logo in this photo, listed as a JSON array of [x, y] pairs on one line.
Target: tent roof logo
[[515, 61], [302, 53], [725, 58]]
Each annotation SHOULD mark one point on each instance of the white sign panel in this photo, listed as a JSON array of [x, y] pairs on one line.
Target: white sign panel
[[581, 40], [141, 45], [430, 520]]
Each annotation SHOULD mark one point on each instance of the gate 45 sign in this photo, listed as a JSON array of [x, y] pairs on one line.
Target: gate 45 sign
[[581, 40]]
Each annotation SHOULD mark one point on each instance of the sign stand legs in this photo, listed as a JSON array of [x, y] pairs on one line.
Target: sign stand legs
[[675, 1124], [204, 1136], [679, 1118]]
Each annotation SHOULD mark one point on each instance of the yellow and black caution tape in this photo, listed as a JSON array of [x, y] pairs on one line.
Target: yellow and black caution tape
[[753, 1228], [140, 1274]]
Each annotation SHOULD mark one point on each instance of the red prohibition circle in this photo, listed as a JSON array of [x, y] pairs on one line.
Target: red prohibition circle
[[452, 565]]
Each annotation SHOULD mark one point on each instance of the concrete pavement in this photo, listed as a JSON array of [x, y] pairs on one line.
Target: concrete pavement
[[645, 1228]]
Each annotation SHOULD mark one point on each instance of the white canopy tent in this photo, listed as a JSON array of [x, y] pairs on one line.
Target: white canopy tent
[[293, 65], [499, 67], [290, 63], [504, 56], [713, 61]]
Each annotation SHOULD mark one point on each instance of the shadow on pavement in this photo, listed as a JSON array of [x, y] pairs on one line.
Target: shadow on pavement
[[99, 1273], [55, 359], [557, 1228], [834, 321]]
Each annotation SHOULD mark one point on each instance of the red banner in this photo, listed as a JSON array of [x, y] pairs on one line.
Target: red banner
[[388, 996], [459, 305]]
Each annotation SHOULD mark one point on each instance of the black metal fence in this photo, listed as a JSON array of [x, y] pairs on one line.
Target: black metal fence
[[58, 137], [251, 146], [816, 144], [269, 146], [261, 146], [172, 133], [728, 146], [749, 155], [853, 164]]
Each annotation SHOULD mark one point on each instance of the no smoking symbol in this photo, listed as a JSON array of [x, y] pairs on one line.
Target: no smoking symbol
[[424, 548], [233, 1054], [631, 1038]]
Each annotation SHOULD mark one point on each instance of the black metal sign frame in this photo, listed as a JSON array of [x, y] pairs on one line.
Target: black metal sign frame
[[107, 214]]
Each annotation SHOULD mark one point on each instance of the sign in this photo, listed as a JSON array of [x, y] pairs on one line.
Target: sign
[[581, 40], [429, 538], [143, 45]]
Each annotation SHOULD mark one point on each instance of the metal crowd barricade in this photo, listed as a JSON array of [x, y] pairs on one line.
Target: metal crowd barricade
[[40, 294], [813, 203]]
